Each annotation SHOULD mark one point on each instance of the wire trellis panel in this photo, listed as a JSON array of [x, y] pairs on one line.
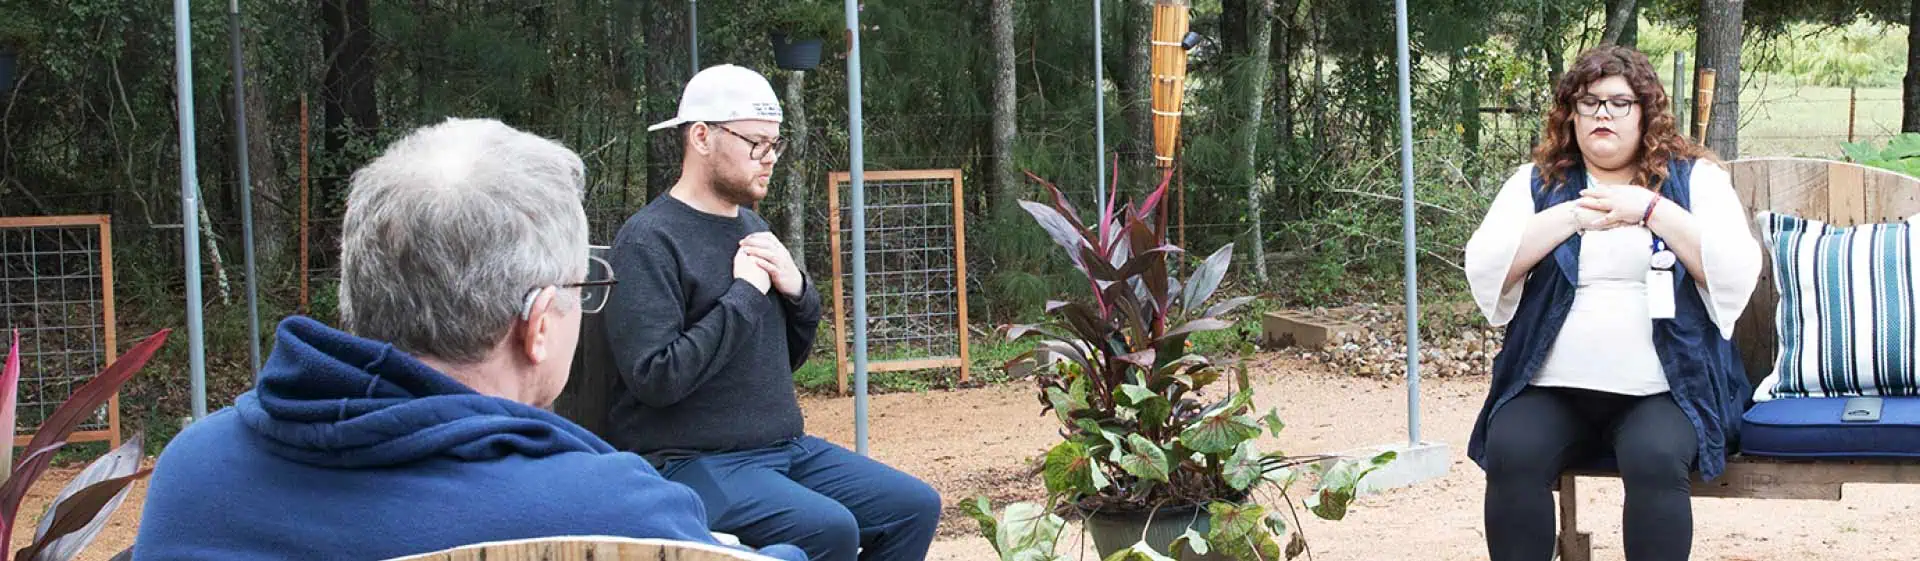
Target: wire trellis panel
[[916, 271], [56, 288]]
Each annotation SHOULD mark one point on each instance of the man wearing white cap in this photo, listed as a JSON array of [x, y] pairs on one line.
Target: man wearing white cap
[[707, 325]]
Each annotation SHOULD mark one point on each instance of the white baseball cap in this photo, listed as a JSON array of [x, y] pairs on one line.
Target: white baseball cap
[[725, 93]]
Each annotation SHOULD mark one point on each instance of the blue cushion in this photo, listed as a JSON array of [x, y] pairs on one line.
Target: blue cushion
[[1810, 427]]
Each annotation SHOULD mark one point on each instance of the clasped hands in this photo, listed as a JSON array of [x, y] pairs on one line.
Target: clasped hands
[[1611, 206], [765, 263]]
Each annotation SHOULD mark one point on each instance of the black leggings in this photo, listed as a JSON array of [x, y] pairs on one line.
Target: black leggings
[[1544, 430]]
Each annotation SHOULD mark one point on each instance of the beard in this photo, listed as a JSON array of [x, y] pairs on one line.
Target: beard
[[735, 190]]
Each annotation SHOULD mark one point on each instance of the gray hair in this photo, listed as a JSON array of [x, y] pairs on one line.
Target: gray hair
[[447, 231]]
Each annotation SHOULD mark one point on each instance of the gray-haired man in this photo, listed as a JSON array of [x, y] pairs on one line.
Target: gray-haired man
[[423, 425]]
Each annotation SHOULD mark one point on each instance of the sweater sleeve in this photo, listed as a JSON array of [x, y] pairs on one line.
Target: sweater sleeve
[[662, 354]]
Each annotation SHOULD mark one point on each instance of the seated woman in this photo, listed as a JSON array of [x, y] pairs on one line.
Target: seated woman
[[1619, 260]]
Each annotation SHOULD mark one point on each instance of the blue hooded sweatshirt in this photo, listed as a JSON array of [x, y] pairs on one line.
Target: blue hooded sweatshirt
[[348, 448]]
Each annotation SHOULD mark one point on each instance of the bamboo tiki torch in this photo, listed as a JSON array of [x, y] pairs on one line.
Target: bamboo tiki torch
[[1169, 77], [1703, 104]]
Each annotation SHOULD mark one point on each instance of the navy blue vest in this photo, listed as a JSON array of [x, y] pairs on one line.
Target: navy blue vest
[[1705, 373]]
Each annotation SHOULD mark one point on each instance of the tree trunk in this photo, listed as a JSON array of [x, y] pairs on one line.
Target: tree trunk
[[1550, 43], [1258, 63], [1910, 94], [1282, 45], [1469, 103], [1620, 16], [349, 110], [272, 223], [1718, 47], [1233, 27], [799, 176], [1005, 110], [665, 36]]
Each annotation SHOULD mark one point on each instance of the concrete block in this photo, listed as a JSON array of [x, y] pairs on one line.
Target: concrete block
[[1412, 464], [1292, 328]]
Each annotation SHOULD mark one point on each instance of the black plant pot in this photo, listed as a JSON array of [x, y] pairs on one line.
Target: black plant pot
[[1115, 532], [8, 61], [803, 54]]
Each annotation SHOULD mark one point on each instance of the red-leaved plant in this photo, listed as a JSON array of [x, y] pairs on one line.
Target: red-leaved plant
[[81, 509], [1149, 423]]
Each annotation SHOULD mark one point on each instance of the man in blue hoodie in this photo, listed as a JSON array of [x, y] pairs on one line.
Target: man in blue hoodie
[[423, 425]]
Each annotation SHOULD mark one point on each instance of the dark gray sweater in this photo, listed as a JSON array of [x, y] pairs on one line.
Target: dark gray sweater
[[706, 361]]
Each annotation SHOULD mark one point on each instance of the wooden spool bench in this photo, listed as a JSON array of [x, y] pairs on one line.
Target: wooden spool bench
[[584, 548], [1838, 193]]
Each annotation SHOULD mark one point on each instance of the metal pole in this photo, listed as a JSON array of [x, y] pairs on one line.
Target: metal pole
[[246, 180], [189, 204], [1099, 116], [1680, 91], [693, 35], [1406, 222], [856, 132]]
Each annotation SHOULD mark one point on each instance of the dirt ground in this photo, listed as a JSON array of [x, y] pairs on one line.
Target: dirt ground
[[978, 442]]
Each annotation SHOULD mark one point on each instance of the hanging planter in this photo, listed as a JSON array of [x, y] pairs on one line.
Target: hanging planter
[[9, 60], [803, 54]]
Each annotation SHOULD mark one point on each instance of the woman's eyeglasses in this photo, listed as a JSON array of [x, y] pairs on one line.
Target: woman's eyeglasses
[[1590, 106]]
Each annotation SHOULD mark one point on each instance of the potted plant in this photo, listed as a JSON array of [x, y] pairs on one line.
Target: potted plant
[[81, 509], [1158, 453], [799, 29]]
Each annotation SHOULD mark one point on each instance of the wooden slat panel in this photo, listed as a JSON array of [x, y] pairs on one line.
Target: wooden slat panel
[[587, 549], [49, 221], [1846, 194], [915, 364], [1753, 333], [840, 356], [1749, 477], [1891, 197], [1795, 186]]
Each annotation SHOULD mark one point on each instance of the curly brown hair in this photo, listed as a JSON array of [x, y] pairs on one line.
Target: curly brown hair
[[1660, 142]]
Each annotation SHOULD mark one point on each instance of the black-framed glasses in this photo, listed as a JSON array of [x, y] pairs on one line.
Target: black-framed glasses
[[1615, 106], [778, 145], [594, 291]]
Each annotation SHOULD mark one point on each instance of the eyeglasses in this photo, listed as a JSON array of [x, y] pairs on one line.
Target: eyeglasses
[[1616, 106], [594, 291], [777, 145]]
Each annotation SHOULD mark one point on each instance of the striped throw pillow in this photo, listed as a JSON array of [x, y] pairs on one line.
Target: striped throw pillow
[[1846, 318]]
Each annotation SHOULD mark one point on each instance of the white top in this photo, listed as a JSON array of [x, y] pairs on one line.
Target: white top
[[1607, 342]]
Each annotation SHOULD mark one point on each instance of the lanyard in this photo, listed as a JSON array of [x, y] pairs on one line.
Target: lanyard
[[1661, 258]]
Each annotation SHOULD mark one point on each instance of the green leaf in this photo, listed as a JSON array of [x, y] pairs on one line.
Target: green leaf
[[1236, 532], [1150, 407], [1228, 522], [1068, 469], [1026, 527], [1273, 422], [981, 510], [1139, 552], [1191, 540], [1903, 146], [1243, 467], [1062, 405], [1206, 279], [1860, 151], [1276, 524], [1219, 433], [1112, 438], [1332, 503], [1134, 394], [1147, 461]]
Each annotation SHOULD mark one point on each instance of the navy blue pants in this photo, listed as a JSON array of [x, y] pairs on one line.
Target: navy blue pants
[[827, 500]]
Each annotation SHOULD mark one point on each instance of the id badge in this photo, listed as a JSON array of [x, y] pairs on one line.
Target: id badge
[[1659, 294]]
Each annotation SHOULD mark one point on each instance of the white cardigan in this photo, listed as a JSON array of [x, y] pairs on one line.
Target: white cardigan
[[1607, 341]]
